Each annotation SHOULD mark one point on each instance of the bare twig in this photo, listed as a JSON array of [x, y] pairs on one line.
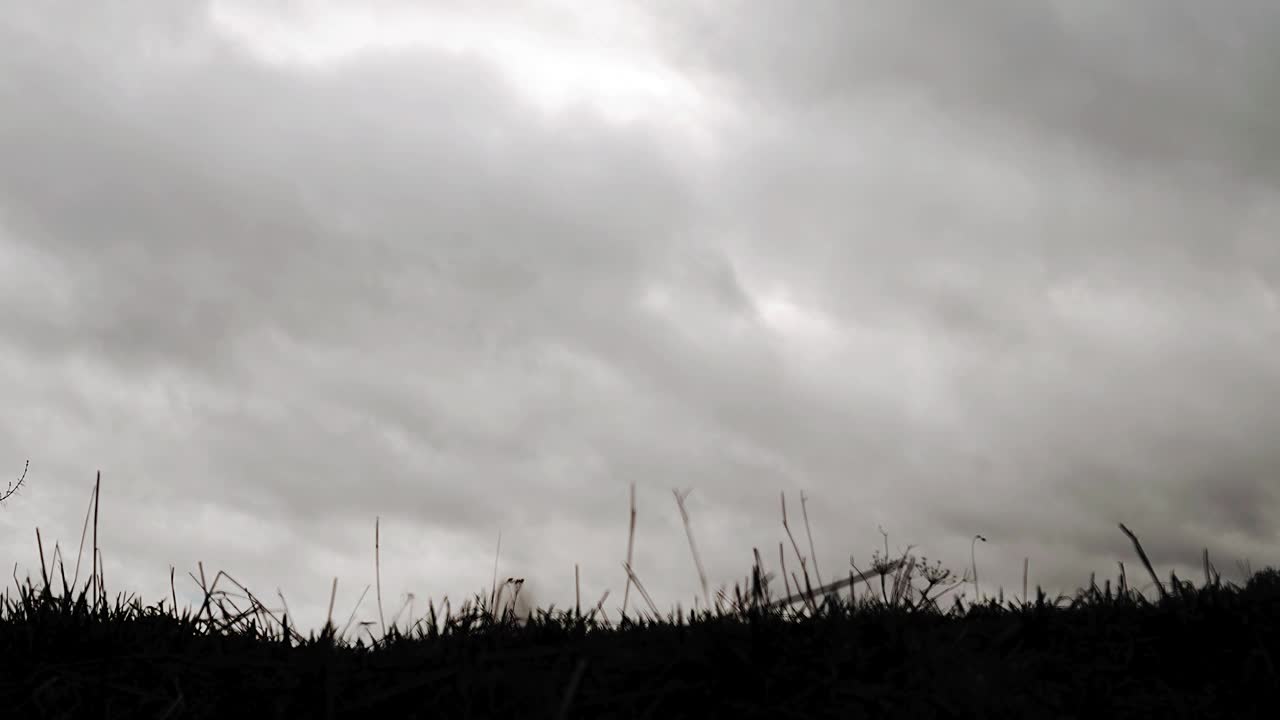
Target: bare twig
[[12, 487]]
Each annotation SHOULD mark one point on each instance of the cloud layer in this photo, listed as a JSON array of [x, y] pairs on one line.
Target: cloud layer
[[279, 269]]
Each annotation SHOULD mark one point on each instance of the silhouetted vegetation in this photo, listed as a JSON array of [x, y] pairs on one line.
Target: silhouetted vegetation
[[12, 488], [871, 644]]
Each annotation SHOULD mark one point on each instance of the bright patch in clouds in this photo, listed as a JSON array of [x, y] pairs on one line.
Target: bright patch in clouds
[[796, 322], [691, 316], [594, 56]]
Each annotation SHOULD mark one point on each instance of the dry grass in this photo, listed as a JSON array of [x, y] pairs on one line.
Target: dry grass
[[897, 590], [252, 634]]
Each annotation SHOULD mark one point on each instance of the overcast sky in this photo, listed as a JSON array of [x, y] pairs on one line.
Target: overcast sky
[[279, 268]]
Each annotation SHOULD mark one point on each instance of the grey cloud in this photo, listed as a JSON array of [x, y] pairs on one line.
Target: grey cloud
[[302, 299], [1150, 82], [1067, 199]]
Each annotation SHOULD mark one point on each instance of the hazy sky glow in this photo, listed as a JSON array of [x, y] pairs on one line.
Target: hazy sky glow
[[277, 268]]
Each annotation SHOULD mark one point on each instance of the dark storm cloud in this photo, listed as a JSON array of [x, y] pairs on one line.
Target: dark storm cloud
[[1151, 82], [1072, 200]]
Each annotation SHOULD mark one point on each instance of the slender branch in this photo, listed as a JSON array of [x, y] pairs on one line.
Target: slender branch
[[12, 488]]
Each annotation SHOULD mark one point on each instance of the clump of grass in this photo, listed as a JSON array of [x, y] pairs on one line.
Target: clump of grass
[[892, 651]]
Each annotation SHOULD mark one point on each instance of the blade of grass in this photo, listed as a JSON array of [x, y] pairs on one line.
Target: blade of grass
[[84, 532], [649, 601], [377, 569], [102, 577], [350, 618], [62, 570], [333, 596], [406, 605], [284, 604], [974, 560], [804, 510], [97, 489], [1142, 555], [600, 607], [836, 585], [493, 597], [697, 561], [569, 691], [794, 546], [44, 574], [900, 577], [257, 606], [631, 537]]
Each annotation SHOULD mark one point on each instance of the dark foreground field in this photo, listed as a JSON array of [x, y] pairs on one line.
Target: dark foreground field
[[875, 644]]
